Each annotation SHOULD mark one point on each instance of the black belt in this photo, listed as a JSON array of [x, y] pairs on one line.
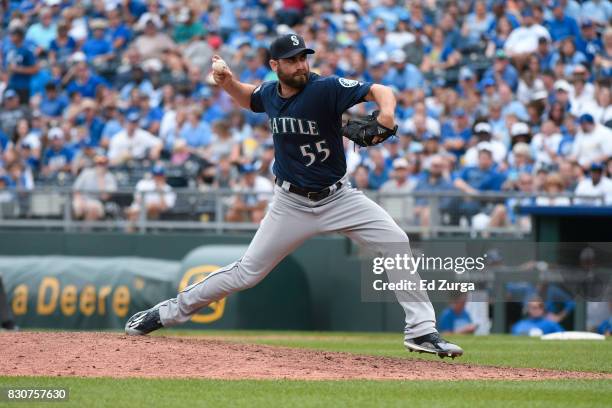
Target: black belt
[[311, 195]]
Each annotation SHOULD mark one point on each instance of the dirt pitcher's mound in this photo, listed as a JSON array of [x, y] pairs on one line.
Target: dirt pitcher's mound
[[91, 354]]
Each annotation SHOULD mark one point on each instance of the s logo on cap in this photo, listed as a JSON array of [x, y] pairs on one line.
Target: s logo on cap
[[295, 40]]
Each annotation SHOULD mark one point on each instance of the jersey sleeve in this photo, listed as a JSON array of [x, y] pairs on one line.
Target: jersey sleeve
[[348, 92], [257, 104]]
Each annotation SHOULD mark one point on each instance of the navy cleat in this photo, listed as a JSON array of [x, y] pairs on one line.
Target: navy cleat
[[434, 344], [143, 323]]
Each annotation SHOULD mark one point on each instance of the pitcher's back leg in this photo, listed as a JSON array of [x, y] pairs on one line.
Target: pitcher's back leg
[[282, 230]]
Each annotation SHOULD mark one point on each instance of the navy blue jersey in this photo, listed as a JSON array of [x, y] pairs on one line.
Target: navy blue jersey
[[307, 128]]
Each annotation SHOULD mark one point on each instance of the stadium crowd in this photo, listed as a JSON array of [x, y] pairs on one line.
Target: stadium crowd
[[492, 96]]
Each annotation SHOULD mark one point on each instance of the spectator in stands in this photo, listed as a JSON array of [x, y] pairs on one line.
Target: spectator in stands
[[456, 133], [483, 177], [431, 147], [476, 24], [62, 46], [568, 56], [434, 179], [439, 55], [589, 42], [196, 132], [455, 319], [561, 25], [595, 185], [519, 162], [79, 78], [603, 61], [150, 117], [474, 179], [41, 34], [360, 179], [505, 214], [21, 66], [133, 143], [188, 26], [379, 173], [98, 49], [399, 208], [253, 194], [402, 74], [153, 194], [523, 40], [498, 37], [84, 156], [137, 81], [52, 102], [535, 323], [520, 133], [583, 96], [222, 143], [593, 143], [20, 177], [152, 43], [546, 143], [597, 10], [91, 189], [118, 33], [6, 193], [553, 186], [58, 157], [88, 118], [601, 107], [255, 72], [483, 133]]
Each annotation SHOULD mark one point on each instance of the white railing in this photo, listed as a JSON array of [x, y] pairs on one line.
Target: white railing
[[52, 208]]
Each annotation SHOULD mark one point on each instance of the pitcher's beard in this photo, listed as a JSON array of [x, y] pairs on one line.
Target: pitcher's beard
[[294, 81]]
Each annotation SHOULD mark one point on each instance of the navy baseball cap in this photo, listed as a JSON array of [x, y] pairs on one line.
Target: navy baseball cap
[[287, 46], [597, 167], [586, 118], [587, 22], [488, 81]]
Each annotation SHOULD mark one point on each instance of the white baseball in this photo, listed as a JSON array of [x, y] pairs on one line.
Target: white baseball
[[219, 66]]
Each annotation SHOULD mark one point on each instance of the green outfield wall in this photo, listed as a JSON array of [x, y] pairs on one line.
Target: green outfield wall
[[97, 280]]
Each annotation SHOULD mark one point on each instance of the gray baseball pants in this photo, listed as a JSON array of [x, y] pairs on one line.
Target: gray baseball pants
[[292, 219]]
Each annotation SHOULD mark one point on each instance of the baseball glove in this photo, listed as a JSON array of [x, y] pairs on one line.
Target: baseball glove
[[363, 129]]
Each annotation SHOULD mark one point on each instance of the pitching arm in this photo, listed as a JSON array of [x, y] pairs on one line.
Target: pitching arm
[[240, 91]]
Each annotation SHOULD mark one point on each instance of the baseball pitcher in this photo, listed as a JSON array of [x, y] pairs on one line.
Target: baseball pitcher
[[312, 193]]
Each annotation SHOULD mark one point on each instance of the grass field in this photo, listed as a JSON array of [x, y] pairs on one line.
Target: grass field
[[493, 350], [498, 350]]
